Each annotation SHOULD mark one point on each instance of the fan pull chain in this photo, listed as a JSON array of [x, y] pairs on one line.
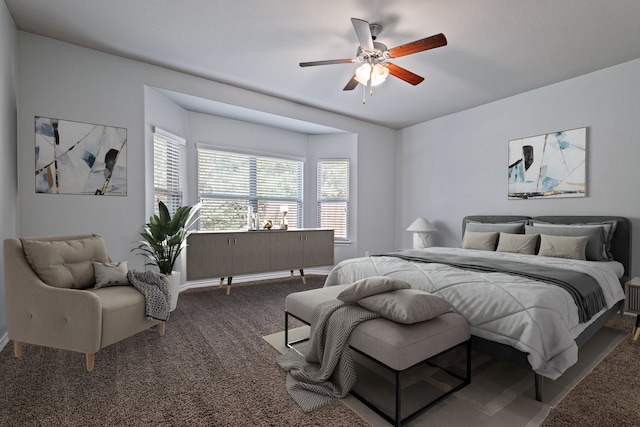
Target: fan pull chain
[[364, 94]]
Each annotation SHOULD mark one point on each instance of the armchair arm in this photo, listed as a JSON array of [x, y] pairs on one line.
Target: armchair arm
[[40, 314]]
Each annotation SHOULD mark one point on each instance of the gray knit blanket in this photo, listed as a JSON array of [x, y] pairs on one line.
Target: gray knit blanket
[[155, 291], [326, 372]]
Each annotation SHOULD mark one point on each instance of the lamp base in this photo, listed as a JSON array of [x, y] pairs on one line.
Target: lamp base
[[420, 240]]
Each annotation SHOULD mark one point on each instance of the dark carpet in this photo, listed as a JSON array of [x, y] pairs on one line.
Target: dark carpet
[[212, 368]]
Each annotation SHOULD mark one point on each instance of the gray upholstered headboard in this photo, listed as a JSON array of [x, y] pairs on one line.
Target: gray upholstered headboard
[[620, 244]]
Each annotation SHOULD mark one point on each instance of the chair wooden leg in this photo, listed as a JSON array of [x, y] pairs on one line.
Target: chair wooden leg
[[90, 361], [162, 327], [17, 348]]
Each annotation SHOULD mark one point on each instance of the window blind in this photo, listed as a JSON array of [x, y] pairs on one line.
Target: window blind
[[168, 158], [333, 196], [228, 183]]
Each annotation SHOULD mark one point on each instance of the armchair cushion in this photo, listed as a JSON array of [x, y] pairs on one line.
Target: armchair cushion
[[66, 263]]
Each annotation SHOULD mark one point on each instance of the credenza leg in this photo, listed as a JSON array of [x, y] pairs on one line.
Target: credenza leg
[[229, 285], [304, 281]]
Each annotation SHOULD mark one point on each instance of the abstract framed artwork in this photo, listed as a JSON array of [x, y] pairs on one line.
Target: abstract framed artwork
[[80, 158], [549, 165]]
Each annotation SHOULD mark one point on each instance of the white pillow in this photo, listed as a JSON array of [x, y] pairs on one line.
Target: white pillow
[[110, 274]]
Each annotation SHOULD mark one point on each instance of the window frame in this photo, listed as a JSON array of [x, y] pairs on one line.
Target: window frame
[[252, 198], [175, 171], [347, 200]]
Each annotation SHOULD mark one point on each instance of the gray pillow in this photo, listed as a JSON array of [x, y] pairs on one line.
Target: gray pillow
[[608, 226], [595, 250], [406, 305], [371, 286], [563, 246], [110, 274], [505, 227], [485, 241], [518, 243]]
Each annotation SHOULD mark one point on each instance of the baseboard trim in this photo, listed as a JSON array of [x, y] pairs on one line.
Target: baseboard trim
[[194, 284], [4, 341]]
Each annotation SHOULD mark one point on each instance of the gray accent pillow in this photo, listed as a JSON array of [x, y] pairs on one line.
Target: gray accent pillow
[[608, 226], [518, 243], [110, 274], [563, 246], [505, 227], [485, 241], [65, 263], [595, 250], [406, 305], [370, 286]]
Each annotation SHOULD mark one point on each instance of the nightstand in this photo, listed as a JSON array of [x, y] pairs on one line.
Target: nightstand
[[632, 303]]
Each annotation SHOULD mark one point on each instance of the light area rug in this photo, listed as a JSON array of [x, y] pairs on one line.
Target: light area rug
[[500, 394]]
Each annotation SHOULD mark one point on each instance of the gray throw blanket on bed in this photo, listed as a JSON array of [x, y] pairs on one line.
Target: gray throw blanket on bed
[[155, 291], [326, 372]]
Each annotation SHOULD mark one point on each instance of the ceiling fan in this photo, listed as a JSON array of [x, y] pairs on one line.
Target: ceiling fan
[[375, 57]]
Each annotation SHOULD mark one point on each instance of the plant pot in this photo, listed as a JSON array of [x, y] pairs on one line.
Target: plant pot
[[173, 282]]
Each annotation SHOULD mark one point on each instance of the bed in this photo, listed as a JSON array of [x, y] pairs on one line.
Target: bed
[[515, 314]]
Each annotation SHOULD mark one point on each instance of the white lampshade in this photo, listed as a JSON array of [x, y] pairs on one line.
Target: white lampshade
[[421, 228], [422, 225]]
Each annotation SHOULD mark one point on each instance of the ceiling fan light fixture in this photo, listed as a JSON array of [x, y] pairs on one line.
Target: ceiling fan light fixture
[[379, 74], [363, 73]]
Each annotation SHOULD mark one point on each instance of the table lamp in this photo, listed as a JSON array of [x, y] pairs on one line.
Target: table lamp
[[421, 228]]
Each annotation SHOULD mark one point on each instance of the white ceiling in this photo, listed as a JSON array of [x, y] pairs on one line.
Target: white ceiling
[[496, 48]]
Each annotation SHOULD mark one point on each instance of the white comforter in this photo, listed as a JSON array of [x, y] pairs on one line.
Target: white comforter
[[536, 318]]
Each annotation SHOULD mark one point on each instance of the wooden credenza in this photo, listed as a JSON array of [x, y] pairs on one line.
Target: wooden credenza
[[213, 254]]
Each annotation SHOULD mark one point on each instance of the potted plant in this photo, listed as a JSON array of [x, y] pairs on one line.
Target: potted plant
[[164, 239]]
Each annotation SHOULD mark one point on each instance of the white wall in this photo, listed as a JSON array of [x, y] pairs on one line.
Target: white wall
[[457, 165], [73, 83], [8, 136]]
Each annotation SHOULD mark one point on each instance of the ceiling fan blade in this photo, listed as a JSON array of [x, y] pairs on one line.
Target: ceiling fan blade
[[327, 62], [418, 46], [352, 83], [404, 74], [363, 31]]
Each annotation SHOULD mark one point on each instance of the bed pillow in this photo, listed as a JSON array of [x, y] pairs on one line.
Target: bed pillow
[[110, 274], [485, 241], [518, 243], [608, 226], [572, 247], [595, 250], [505, 227], [406, 305], [370, 286]]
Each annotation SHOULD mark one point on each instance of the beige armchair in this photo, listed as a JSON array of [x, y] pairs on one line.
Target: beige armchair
[[51, 301]]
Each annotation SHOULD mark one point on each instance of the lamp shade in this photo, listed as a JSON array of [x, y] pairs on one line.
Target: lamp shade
[[421, 225]]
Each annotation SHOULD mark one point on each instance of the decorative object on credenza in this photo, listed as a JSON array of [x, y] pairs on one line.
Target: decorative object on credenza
[[284, 225], [164, 239], [80, 158], [421, 228], [550, 165], [267, 224]]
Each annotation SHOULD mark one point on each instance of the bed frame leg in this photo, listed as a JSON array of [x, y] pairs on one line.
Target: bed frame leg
[[539, 380]]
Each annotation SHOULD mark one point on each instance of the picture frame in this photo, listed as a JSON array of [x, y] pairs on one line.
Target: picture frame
[[79, 158], [548, 165]]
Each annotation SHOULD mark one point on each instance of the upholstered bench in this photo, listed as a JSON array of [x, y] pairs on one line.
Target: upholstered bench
[[394, 346]]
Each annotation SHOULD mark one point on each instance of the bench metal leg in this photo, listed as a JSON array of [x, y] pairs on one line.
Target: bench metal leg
[[539, 381]]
